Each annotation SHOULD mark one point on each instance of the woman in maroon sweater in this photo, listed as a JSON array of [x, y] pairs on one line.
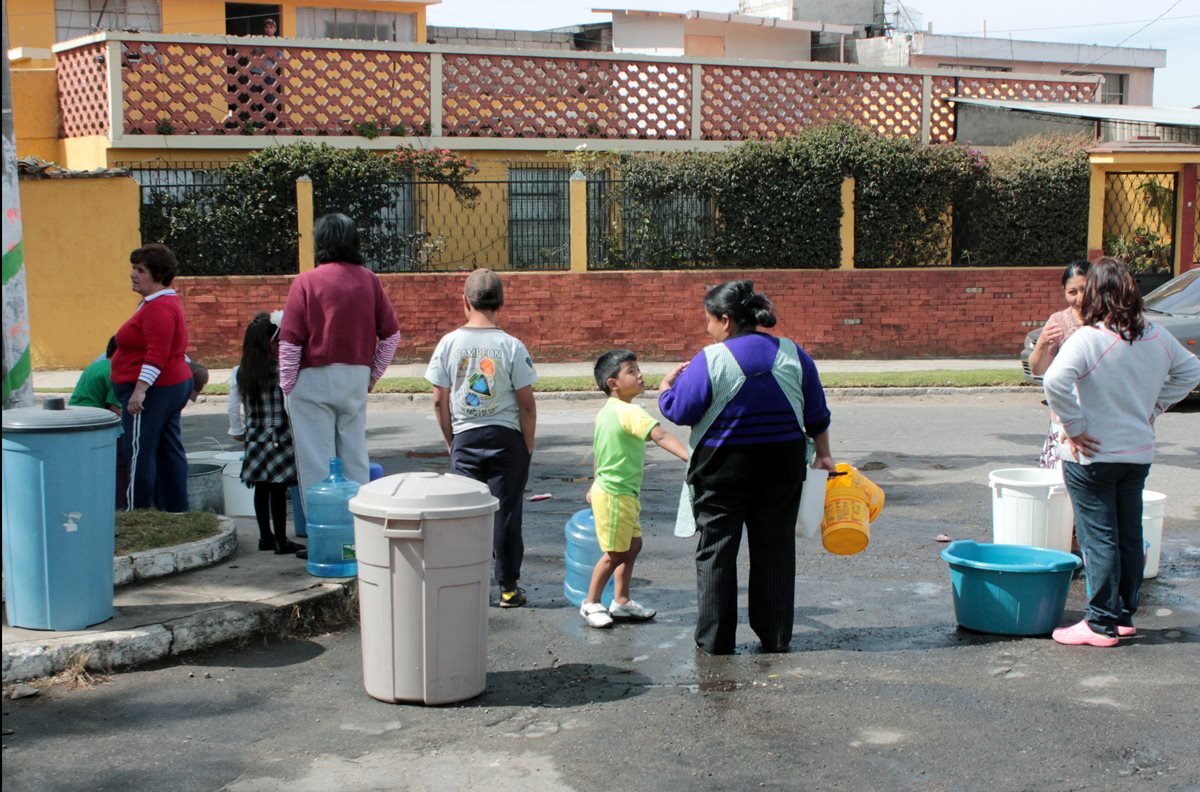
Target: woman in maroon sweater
[[153, 382]]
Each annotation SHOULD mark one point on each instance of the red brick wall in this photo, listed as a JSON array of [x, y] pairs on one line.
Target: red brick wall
[[561, 317]]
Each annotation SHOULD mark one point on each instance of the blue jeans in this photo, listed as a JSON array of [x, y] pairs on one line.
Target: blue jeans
[[1107, 500]]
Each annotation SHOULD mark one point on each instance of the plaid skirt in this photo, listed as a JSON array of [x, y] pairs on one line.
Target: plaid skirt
[[270, 456]]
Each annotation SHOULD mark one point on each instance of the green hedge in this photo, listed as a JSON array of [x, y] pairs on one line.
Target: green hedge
[[246, 224], [777, 204]]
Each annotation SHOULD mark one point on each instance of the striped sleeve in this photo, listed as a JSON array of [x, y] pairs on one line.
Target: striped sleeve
[[385, 351], [289, 364]]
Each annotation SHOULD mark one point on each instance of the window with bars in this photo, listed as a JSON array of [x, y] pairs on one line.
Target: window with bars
[[539, 218], [75, 18], [349, 23]]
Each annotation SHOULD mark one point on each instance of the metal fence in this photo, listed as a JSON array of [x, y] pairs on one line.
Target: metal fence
[[1139, 219], [675, 231], [521, 223]]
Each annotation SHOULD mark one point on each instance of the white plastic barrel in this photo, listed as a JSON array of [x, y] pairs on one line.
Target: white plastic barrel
[[239, 498], [1030, 507], [812, 503], [424, 546], [1154, 506]]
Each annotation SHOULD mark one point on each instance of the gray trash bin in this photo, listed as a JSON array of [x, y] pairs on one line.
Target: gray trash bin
[[424, 546]]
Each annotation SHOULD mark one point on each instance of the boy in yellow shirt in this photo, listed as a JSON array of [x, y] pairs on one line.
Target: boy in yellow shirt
[[622, 429]]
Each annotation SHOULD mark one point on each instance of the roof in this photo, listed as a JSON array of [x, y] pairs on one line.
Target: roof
[[1145, 147], [742, 19], [1163, 116], [1095, 56]]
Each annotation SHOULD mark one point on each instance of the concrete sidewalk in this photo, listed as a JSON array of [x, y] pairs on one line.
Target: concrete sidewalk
[[66, 379], [246, 594]]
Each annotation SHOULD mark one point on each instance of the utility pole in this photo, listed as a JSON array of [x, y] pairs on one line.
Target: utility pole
[[18, 380]]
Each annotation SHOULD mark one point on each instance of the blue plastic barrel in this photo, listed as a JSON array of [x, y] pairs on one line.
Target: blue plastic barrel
[[60, 473], [1009, 589], [331, 525], [583, 551]]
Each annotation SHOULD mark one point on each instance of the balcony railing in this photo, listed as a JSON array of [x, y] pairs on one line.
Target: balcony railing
[[127, 84]]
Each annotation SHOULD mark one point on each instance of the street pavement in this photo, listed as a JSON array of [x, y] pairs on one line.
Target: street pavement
[[880, 691]]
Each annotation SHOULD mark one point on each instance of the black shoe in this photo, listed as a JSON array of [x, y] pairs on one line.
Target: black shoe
[[302, 555], [513, 598], [266, 544], [288, 547]]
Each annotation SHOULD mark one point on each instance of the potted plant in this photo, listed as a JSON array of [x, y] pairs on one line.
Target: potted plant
[[1147, 254]]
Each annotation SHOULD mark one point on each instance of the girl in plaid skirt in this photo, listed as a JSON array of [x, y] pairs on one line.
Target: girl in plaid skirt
[[269, 464]]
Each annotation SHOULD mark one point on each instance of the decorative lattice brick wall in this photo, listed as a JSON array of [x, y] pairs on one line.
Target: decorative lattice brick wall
[[859, 314], [82, 92]]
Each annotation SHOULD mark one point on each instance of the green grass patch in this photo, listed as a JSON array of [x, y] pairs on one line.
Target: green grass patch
[[147, 529], [934, 378]]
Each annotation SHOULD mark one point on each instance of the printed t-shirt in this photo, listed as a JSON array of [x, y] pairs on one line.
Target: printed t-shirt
[[483, 367], [620, 446]]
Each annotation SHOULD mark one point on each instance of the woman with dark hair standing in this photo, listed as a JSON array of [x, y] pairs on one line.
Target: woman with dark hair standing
[[757, 412], [151, 379], [1108, 383], [338, 337], [1058, 328]]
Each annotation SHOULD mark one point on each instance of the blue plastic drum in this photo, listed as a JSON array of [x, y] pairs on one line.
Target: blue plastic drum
[[583, 551], [60, 476]]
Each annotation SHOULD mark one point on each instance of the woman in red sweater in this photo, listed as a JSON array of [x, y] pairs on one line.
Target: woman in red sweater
[[153, 382]]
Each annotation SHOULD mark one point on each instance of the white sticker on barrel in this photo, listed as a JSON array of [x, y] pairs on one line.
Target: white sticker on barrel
[[70, 524]]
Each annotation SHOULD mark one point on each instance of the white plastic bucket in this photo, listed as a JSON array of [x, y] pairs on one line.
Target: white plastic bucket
[[812, 503], [1154, 506], [1030, 507], [201, 457], [239, 498]]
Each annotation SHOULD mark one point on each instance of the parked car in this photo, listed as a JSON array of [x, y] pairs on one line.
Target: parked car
[[1174, 306]]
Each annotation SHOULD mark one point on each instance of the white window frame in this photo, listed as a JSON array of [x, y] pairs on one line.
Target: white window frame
[[319, 23], [75, 18]]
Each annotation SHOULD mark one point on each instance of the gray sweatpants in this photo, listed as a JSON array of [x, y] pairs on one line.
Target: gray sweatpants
[[328, 413]]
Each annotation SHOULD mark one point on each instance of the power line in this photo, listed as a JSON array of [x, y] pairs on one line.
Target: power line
[[1122, 41]]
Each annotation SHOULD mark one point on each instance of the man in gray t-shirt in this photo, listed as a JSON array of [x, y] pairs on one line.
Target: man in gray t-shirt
[[483, 397]]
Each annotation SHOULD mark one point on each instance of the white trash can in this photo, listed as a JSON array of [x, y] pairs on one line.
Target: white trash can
[[424, 546], [1031, 507], [1154, 506], [239, 497]]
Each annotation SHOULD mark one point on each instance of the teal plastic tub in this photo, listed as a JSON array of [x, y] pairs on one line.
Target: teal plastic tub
[[1009, 589]]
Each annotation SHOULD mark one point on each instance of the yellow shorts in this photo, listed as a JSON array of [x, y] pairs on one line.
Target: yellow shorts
[[616, 520]]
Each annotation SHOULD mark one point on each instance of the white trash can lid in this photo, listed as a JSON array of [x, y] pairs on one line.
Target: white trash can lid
[[423, 496]]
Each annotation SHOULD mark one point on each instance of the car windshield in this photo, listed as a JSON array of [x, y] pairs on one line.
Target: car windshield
[[1178, 296]]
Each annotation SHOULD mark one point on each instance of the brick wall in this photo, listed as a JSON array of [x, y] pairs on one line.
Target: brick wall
[[561, 316]]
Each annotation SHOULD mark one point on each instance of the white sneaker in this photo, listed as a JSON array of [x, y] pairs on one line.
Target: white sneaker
[[630, 611], [595, 614]]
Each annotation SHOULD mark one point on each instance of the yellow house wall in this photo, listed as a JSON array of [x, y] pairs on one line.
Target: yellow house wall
[[207, 16], [35, 113], [77, 265], [30, 23]]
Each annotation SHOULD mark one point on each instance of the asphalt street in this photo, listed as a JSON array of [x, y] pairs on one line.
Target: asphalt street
[[880, 691]]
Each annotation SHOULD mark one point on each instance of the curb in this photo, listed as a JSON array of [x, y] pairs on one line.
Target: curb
[[106, 651], [150, 564], [940, 390]]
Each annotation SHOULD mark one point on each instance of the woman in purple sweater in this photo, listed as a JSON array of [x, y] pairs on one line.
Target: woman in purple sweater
[[753, 401]]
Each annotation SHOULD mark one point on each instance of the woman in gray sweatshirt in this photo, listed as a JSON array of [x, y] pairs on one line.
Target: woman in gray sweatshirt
[[1107, 384]]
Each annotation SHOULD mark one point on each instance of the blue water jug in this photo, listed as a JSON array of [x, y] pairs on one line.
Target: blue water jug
[[331, 525], [583, 551]]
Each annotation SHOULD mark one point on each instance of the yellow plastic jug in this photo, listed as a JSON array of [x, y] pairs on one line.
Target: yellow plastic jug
[[852, 502]]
